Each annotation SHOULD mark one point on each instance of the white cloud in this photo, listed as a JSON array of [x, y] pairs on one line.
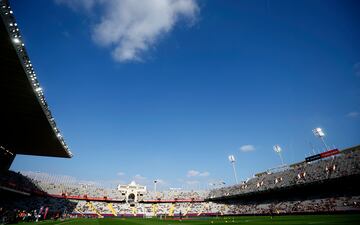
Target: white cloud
[[77, 5], [353, 114], [204, 174], [139, 177], [120, 174], [195, 173], [192, 173], [247, 148], [132, 27]]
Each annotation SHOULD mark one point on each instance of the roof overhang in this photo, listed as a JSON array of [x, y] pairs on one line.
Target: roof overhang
[[26, 124]]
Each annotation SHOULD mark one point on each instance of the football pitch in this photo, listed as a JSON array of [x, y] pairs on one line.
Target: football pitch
[[286, 220]]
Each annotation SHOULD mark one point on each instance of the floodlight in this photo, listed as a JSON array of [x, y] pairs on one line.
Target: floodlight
[[155, 183], [16, 40], [232, 161], [277, 148], [232, 158], [318, 132]]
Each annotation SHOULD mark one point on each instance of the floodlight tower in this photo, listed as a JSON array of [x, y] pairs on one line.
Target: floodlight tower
[[278, 150], [155, 182], [232, 161], [318, 132]]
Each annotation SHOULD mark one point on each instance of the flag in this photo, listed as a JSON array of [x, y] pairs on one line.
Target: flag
[[46, 211]]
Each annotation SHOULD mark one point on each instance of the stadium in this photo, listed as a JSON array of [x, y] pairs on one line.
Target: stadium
[[322, 188]]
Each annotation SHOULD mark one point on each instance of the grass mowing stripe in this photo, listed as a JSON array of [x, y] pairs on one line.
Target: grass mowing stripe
[[239, 220]]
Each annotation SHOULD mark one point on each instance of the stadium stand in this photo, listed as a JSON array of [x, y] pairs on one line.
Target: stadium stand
[[322, 186], [344, 165]]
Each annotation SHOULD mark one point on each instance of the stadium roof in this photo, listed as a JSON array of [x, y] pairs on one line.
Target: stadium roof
[[26, 124]]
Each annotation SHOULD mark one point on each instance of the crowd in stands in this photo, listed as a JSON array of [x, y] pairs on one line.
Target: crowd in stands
[[76, 189], [94, 208], [32, 183], [16, 181], [32, 194], [17, 207], [298, 206], [344, 164], [15, 216], [176, 194], [27, 209]]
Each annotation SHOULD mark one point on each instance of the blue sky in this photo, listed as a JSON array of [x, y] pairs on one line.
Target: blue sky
[[168, 89]]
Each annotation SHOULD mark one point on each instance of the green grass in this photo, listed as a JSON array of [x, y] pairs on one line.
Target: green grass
[[248, 220]]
